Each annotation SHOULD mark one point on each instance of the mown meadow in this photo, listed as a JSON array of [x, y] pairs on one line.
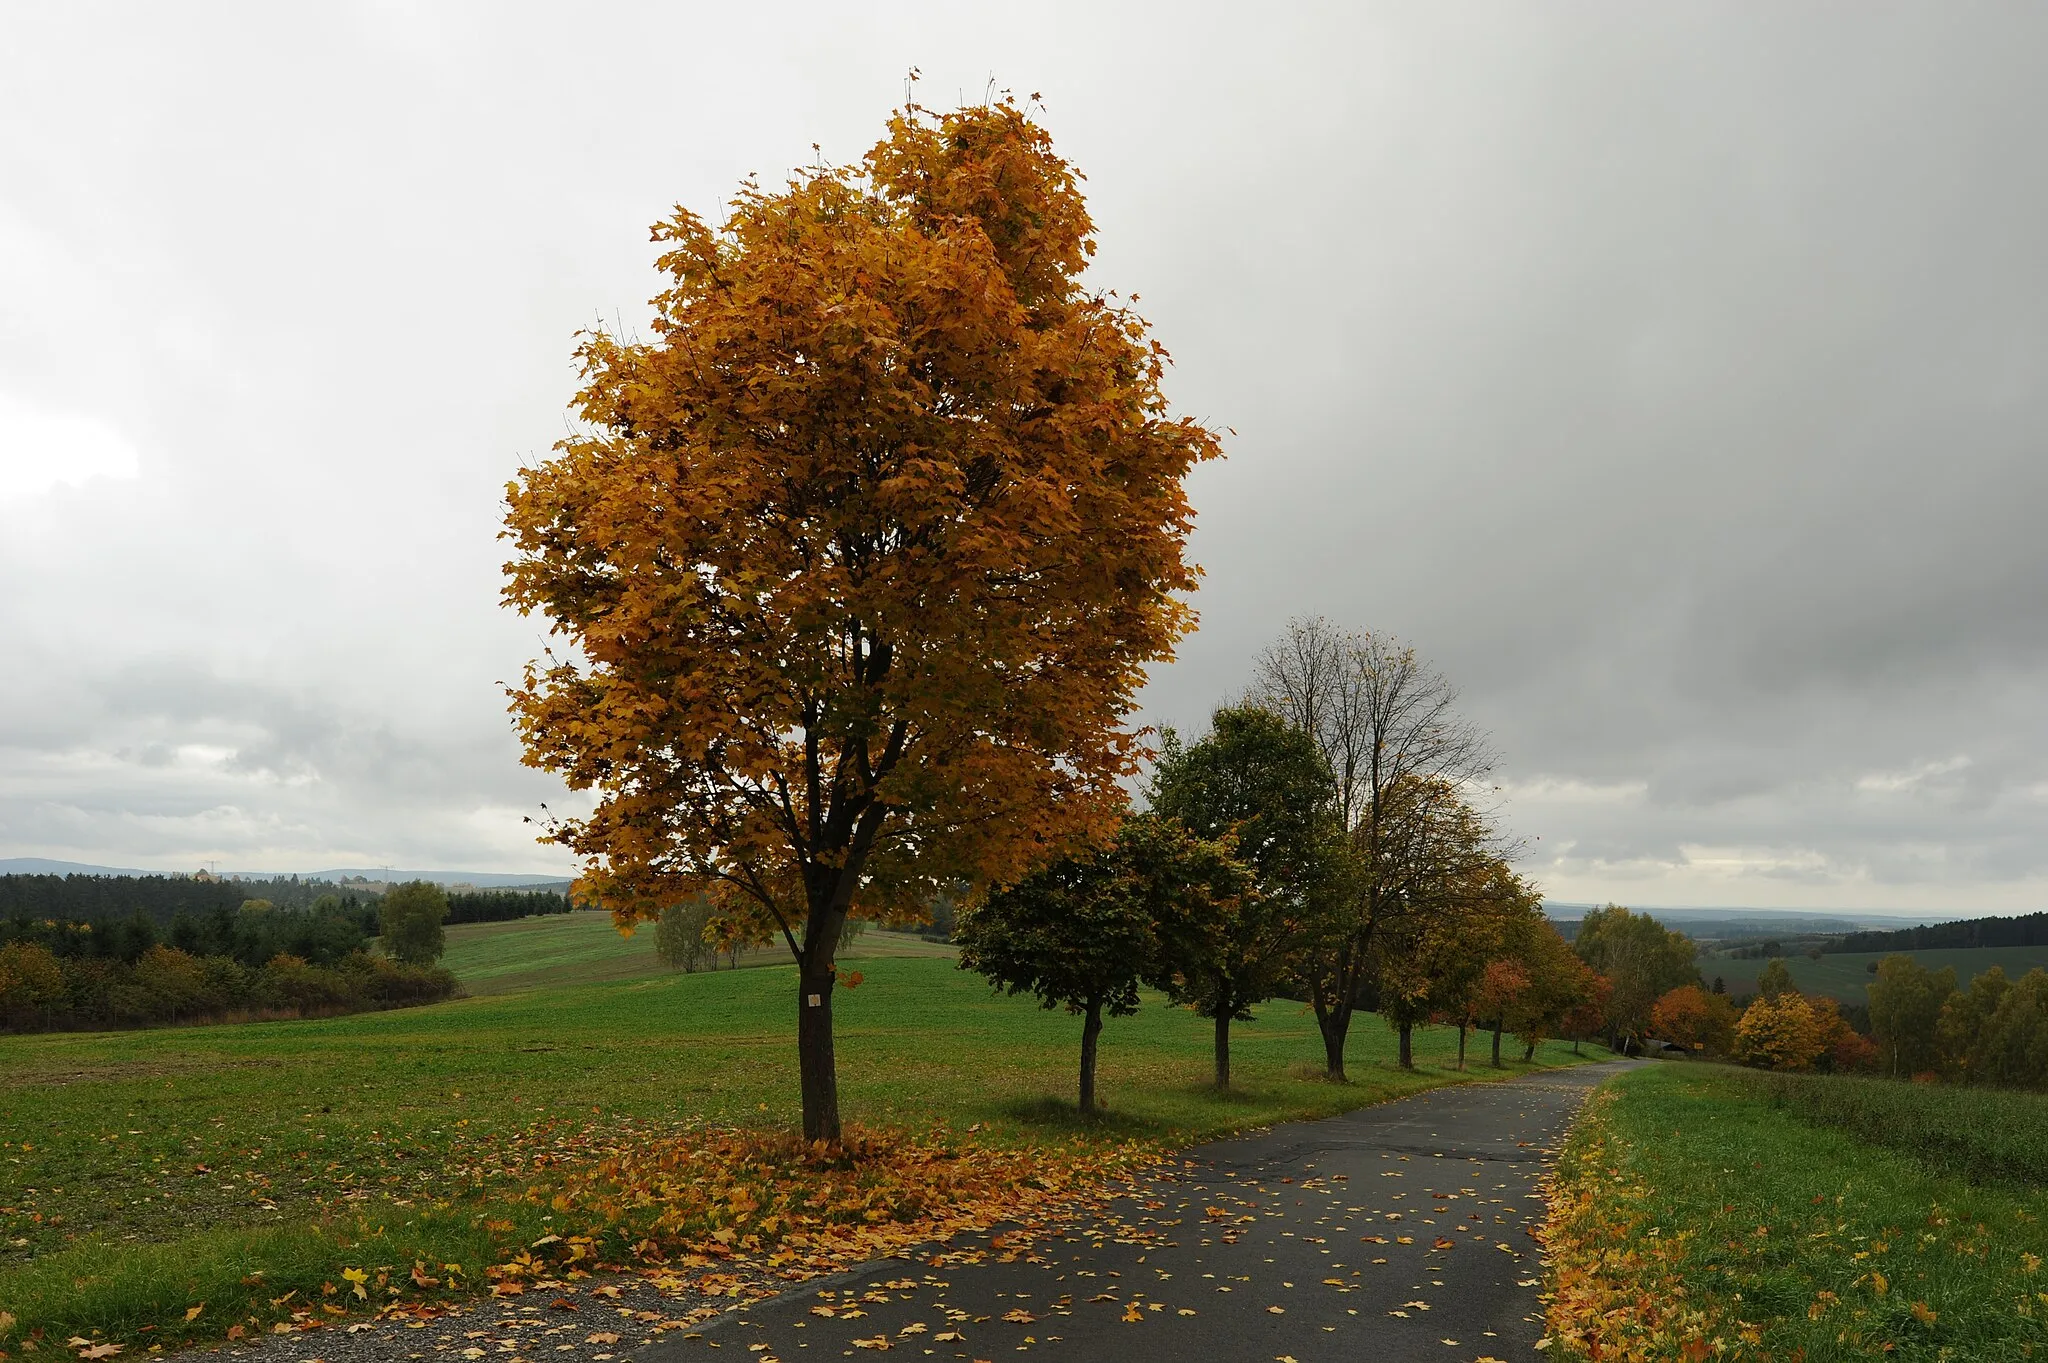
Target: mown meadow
[[1706, 1212], [247, 1171]]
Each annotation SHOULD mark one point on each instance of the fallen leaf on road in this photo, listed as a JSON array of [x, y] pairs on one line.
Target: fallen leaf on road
[[1277, 1310], [878, 1342], [1021, 1316], [601, 1337]]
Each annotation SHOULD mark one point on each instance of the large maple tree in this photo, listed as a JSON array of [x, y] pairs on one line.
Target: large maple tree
[[861, 553]]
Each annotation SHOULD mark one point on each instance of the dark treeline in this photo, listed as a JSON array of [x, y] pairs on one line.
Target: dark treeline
[[502, 906], [113, 903], [93, 899], [2029, 931], [323, 933]]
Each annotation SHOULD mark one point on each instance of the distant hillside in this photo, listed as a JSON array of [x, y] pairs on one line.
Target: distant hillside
[[483, 880], [1846, 976], [43, 866], [2028, 931]]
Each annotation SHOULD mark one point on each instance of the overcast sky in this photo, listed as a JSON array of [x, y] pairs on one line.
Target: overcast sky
[[1675, 377]]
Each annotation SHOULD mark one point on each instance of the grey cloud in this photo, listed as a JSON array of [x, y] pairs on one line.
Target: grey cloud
[[1674, 377]]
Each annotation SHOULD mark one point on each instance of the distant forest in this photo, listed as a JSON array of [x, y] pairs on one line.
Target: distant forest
[[2030, 931], [164, 899]]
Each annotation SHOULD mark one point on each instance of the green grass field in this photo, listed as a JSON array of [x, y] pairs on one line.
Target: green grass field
[[145, 1172], [1766, 1218], [1846, 976], [584, 948]]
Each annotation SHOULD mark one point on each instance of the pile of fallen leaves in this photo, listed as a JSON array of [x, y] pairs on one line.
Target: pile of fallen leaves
[[799, 1208], [1617, 1295]]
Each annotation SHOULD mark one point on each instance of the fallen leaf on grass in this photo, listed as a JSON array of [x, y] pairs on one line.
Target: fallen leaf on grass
[[101, 1351], [191, 1313]]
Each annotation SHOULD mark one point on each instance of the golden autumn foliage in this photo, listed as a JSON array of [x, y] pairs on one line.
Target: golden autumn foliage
[[862, 555], [778, 1204], [1695, 1019], [1783, 1033]]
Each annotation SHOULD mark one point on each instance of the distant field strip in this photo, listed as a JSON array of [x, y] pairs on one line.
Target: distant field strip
[[1846, 976], [584, 948]]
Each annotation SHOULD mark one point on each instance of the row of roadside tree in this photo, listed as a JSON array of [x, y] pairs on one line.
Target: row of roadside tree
[[1322, 842]]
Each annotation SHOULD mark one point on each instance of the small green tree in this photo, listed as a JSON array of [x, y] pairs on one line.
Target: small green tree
[[1082, 933], [1905, 1014], [409, 919], [1965, 1018], [1774, 979], [1259, 782], [680, 942], [2014, 1043], [1641, 958]]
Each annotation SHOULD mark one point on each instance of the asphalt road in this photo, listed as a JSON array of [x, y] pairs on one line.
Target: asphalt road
[[1393, 1233]]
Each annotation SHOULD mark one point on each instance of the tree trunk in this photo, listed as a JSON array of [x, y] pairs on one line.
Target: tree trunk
[[1528, 1052], [1334, 998], [1407, 1045], [1575, 1047], [1091, 1031], [1461, 1046], [1335, 1027], [1496, 1042], [1223, 1048], [816, 1070]]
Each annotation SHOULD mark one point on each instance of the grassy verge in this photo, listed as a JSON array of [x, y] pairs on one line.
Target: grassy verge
[[1695, 1218], [252, 1168], [1973, 1133]]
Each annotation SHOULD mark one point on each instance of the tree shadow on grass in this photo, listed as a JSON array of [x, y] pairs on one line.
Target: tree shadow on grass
[[1059, 1114]]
